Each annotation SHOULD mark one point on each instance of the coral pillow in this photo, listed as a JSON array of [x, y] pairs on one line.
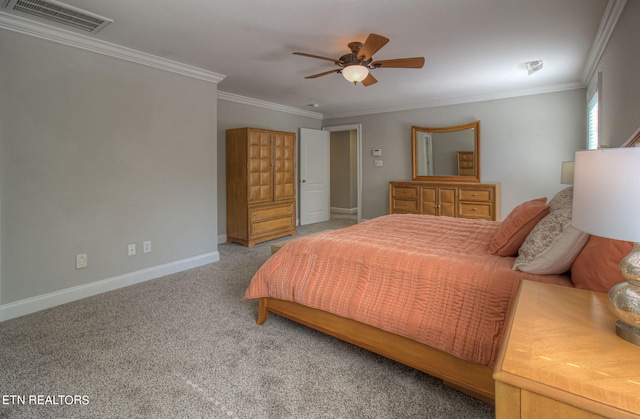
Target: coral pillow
[[517, 226], [597, 267]]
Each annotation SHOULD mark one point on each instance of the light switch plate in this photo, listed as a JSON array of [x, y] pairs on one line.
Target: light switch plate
[[81, 261], [377, 152]]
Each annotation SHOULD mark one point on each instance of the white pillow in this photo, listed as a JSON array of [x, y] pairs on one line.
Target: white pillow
[[562, 200], [552, 245]]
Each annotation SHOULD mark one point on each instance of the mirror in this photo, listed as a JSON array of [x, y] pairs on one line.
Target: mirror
[[446, 154]]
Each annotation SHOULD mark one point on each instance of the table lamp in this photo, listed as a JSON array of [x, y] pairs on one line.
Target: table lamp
[[566, 174], [606, 203]]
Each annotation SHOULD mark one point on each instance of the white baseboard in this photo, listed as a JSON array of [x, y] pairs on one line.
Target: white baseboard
[[52, 299], [338, 210]]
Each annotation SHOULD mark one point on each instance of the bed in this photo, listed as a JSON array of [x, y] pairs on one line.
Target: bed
[[425, 291]]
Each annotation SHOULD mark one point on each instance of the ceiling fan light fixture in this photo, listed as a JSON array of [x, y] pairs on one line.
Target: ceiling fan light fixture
[[355, 73]]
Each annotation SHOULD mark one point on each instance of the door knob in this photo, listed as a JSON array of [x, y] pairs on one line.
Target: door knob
[[304, 180]]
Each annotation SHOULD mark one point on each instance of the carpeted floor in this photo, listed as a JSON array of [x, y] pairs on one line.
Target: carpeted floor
[[186, 346]]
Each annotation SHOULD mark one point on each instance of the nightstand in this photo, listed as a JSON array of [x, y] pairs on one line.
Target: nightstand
[[561, 358]]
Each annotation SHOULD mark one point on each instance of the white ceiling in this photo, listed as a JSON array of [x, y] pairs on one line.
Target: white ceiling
[[473, 48]]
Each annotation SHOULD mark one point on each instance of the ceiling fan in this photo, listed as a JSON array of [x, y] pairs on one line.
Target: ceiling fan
[[355, 66]]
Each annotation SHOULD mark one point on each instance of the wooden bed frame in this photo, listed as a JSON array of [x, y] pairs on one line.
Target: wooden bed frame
[[472, 379]]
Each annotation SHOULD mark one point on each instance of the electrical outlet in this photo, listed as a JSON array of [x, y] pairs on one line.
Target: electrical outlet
[[81, 261], [377, 163], [131, 249], [146, 246]]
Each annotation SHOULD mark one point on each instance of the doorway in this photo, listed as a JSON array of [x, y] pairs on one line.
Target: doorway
[[346, 170]]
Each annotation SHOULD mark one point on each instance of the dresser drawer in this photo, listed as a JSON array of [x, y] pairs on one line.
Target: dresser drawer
[[476, 195], [270, 212], [405, 205], [476, 210], [405, 192], [268, 226]]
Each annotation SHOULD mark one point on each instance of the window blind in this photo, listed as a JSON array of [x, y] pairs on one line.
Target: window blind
[[593, 112], [592, 123]]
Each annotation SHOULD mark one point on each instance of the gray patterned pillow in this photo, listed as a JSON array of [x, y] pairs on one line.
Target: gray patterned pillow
[[552, 245], [562, 200]]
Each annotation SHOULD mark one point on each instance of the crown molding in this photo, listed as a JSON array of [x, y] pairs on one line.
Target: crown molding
[[232, 97], [461, 100], [607, 25], [65, 37]]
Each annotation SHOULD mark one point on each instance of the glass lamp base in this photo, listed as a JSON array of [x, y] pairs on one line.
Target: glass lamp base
[[624, 298], [628, 333]]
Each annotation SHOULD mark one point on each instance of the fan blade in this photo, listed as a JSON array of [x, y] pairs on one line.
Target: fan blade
[[304, 54], [369, 80], [323, 74], [371, 46], [417, 62]]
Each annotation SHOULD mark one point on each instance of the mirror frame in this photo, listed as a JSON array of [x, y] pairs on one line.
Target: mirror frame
[[414, 163]]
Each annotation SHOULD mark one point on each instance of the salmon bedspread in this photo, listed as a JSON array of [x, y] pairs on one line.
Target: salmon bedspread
[[423, 277]]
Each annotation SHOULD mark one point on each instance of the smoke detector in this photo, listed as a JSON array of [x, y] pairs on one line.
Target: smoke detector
[[60, 13], [534, 66]]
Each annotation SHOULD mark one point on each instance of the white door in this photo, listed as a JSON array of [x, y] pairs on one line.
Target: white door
[[314, 176]]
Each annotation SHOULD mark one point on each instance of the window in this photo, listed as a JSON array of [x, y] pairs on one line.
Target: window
[[592, 121], [594, 104]]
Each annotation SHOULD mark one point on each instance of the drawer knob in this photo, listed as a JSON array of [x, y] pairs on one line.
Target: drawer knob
[[475, 209], [474, 194]]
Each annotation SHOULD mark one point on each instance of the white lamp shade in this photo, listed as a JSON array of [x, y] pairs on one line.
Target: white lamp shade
[[606, 193], [355, 73]]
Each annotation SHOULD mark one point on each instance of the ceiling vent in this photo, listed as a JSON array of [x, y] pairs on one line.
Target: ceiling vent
[[60, 13], [534, 66]]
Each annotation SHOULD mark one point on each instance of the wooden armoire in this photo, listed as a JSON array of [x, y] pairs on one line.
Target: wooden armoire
[[261, 189]]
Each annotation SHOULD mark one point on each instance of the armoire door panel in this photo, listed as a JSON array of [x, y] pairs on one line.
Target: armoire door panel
[[259, 167], [447, 205], [284, 165], [429, 201]]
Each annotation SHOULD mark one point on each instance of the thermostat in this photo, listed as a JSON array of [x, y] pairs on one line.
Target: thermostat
[[377, 152]]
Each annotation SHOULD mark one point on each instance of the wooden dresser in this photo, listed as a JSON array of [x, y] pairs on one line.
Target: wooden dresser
[[261, 192], [464, 199], [561, 358]]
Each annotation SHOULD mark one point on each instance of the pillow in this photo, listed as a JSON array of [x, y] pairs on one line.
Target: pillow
[[597, 267], [517, 226], [562, 200], [552, 245]]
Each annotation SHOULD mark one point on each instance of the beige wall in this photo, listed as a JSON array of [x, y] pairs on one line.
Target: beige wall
[[523, 142], [620, 81], [97, 153]]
